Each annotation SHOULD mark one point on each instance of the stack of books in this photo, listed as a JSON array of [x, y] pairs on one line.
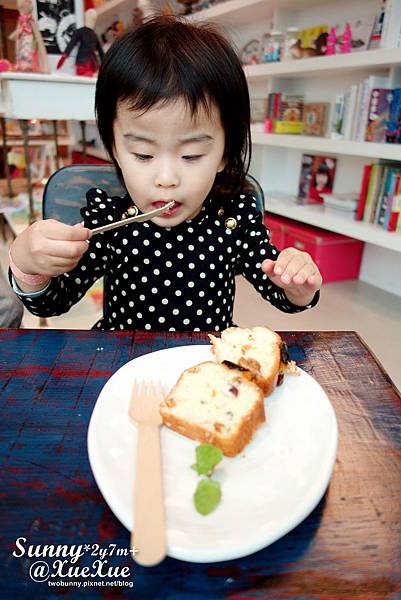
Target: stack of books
[[342, 205], [380, 196], [285, 111], [370, 112]]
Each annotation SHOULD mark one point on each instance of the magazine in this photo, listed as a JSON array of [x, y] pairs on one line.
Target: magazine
[[317, 177]]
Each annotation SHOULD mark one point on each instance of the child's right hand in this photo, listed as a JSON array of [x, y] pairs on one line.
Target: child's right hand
[[49, 247]]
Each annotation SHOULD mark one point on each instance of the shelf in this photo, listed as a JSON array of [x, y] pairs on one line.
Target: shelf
[[324, 218], [328, 146], [242, 12], [62, 140], [95, 152], [358, 61], [236, 12]]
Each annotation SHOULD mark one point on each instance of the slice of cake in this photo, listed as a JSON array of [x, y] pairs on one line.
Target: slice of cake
[[260, 350], [215, 404]]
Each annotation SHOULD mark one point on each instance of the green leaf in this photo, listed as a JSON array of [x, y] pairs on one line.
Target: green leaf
[[207, 496], [207, 457]]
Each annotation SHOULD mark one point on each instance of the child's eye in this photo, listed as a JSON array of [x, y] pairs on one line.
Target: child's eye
[[192, 157], [142, 156]]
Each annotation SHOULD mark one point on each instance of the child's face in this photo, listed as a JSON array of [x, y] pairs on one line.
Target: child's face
[[165, 154], [321, 180]]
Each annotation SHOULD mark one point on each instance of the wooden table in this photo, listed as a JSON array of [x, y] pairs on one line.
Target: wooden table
[[347, 548]]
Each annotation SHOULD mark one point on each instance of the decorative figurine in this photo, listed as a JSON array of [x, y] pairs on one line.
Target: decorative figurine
[[319, 47], [90, 51], [331, 42], [30, 51], [346, 40]]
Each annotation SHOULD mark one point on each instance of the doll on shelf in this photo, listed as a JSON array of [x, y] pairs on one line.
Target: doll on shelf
[[90, 51], [30, 51]]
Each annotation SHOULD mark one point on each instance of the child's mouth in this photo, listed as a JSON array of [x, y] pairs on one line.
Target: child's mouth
[[170, 211]]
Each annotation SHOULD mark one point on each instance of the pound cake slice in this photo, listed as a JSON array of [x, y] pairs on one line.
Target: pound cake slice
[[260, 350], [215, 404]]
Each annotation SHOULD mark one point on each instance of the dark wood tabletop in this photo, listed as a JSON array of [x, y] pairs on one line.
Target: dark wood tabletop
[[349, 547]]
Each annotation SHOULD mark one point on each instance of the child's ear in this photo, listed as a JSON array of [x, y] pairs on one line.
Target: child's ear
[[222, 165]]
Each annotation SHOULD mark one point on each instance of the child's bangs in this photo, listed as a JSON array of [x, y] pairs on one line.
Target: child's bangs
[[163, 86]]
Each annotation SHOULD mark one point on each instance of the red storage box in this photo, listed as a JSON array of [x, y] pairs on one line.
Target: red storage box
[[277, 227], [337, 256]]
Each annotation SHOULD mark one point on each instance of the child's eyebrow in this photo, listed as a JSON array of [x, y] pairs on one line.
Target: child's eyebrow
[[201, 137]]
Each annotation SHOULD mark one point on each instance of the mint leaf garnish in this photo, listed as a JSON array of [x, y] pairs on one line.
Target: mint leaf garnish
[[207, 457], [207, 496]]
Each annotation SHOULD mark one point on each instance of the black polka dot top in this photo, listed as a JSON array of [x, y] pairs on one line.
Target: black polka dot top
[[168, 278]]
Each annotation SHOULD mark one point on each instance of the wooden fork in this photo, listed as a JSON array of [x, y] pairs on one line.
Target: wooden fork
[[148, 534]]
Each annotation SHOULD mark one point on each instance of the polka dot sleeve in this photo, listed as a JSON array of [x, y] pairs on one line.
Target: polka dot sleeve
[[254, 249], [67, 289]]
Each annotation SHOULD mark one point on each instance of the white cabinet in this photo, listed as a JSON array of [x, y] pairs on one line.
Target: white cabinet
[[276, 159]]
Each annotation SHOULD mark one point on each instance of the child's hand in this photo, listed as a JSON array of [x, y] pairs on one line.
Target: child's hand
[[296, 273], [49, 247]]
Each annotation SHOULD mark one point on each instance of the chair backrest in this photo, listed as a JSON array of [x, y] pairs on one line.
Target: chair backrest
[[65, 190]]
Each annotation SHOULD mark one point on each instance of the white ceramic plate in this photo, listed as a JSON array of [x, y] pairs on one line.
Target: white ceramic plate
[[267, 490]]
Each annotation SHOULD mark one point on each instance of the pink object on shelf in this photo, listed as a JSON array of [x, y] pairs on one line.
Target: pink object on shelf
[[346, 43], [268, 125], [337, 256], [331, 42]]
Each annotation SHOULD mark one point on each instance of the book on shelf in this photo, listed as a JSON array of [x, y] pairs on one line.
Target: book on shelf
[[285, 111], [347, 201], [378, 115], [316, 178], [363, 192], [337, 117], [362, 110], [315, 118], [258, 109], [377, 31], [342, 205], [378, 201], [391, 29], [393, 131], [349, 112]]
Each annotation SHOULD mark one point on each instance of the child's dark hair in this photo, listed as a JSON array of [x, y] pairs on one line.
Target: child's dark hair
[[168, 58], [323, 170]]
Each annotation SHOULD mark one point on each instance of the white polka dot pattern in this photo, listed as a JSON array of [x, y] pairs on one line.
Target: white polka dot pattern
[[176, 278]]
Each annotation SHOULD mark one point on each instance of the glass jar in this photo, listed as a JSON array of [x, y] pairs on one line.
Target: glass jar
[[291, 38], [275, 46]]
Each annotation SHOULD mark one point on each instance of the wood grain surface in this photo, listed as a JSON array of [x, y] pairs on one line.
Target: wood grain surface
[[349, 547]]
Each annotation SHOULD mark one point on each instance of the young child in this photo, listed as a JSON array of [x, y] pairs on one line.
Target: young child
[[172, 108]]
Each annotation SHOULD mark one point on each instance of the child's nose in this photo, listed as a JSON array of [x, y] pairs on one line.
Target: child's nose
[[167, 175]]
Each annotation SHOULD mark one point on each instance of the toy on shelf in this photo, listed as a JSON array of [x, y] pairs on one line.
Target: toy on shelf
[[250, 53], [331, 42], [346, 40], [90, 51], [319, 47], [30, 51]]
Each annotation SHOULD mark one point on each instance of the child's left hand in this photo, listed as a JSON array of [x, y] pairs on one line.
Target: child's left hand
[[296, 273]]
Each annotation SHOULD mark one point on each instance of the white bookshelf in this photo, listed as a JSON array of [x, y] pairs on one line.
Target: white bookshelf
[[276, 161], [320, 216], [370, 60], [328, 146]]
